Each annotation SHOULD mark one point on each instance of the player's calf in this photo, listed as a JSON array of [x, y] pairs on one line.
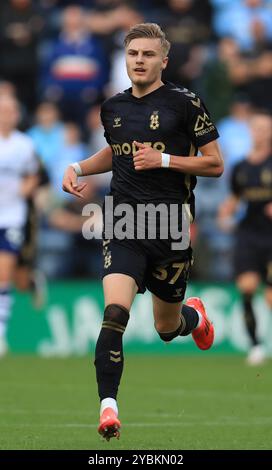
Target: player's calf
[[109, 359], [189, 319]]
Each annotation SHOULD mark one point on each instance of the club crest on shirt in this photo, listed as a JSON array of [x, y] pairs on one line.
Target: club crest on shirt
[[117, 122], [266, 177], [154, 120]]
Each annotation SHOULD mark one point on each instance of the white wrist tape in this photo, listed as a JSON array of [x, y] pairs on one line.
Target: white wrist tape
[[165, 163], [77, 168]]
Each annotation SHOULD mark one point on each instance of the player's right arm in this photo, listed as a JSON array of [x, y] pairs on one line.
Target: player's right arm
[[100, 162], [226, 212], [229, 206]]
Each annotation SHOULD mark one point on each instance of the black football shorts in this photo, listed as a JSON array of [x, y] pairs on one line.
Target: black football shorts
[[253, 252], [152, 264]]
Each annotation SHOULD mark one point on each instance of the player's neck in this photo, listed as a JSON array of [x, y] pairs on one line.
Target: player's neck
[[5, 133], [140, 91], [258, 155]]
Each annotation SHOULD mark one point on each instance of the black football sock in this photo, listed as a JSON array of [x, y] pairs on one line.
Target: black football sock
[[170, 335], [189, 321], [249, 317], [109, 359]]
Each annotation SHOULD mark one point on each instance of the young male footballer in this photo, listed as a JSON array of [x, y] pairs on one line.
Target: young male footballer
[[154, 131]]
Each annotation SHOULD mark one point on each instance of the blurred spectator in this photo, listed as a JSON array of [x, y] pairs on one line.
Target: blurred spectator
[[63, 252], [119, 79], [187, 26], [71, 150], [57, 241], [18, 177], [109, 16], [76, 70], [235, 135], [224, 74], [249, 22], [85, 257], [251, 183], [212, 246], [96, 142], [66, 3], [26, 276], [20, 26], [260, 86], [96, 130], [47, 134], [9, 89], [111, 20]]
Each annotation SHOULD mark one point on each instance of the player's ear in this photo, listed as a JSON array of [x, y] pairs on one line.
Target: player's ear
[[164, 63]]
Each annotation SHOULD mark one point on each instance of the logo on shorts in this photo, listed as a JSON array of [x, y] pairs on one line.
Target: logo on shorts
[[154, 120], [106, 254], [179, 292]]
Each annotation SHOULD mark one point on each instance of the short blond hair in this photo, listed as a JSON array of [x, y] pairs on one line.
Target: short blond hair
[[148, 30]]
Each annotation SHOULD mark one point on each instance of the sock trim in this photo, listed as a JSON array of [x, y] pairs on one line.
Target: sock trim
[[108, 402], [112, 325]]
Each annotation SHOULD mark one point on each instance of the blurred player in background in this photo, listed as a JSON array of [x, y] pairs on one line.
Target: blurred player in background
[[27, 277], [251, 183], [18, 178], [140, 124]]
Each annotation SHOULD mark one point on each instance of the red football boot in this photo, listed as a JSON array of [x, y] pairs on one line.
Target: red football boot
[[203, 335], [109, 424]]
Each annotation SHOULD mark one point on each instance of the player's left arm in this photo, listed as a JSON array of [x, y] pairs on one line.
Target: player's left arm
[[210, 163], [201, 132]]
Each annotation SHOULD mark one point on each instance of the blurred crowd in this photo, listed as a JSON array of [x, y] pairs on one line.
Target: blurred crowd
[[62, 58]]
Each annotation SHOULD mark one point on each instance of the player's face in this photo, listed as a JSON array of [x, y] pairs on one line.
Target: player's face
[[261, 129], [47, 115], [145, 61], [9, 113]]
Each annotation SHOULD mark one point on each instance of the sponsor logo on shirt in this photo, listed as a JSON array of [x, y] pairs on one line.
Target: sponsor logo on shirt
[[203, 125]]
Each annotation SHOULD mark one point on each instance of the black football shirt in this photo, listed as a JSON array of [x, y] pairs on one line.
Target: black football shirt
[[172, 120], [253, 184]]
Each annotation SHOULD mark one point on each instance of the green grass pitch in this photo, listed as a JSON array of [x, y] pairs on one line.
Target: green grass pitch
[[165, 402]]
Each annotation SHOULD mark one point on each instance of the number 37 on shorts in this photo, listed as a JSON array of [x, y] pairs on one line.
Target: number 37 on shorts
[[169, 282]]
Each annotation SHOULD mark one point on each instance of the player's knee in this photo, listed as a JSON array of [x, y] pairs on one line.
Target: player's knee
[[116, 314]]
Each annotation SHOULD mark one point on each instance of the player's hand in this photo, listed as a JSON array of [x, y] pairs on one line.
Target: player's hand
[[224, 220], [225, 224], [146, 158], [70, 183]]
